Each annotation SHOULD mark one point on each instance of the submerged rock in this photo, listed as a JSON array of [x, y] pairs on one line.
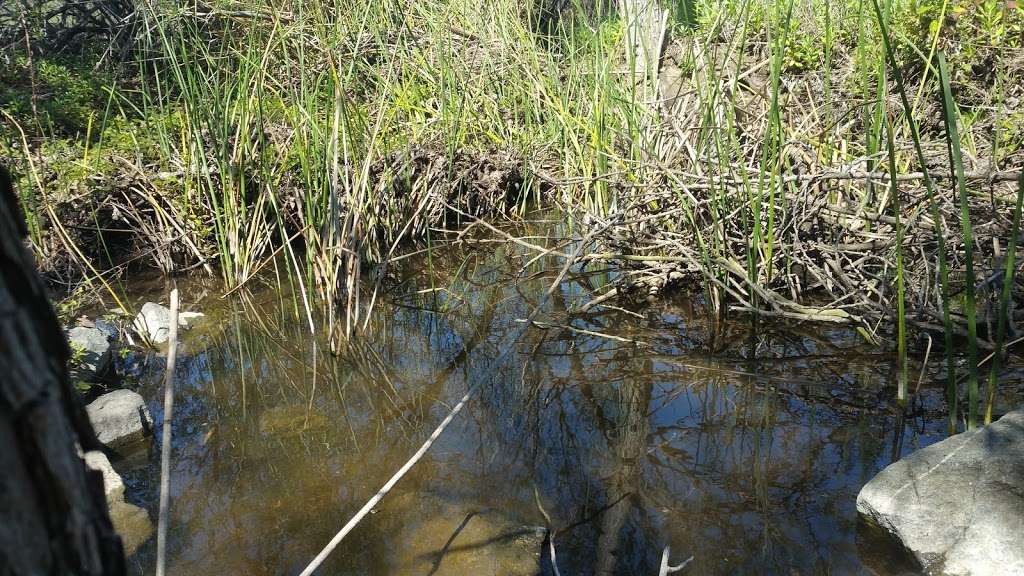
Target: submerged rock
[[120, 418], [90, 351], [154, 322], [958, 505], [455, 539], [130, 522]]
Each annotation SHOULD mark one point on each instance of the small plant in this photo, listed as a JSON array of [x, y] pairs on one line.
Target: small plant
[[803, 52]]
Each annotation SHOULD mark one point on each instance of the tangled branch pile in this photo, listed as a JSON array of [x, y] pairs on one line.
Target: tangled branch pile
[[767, 185], [58, 25]]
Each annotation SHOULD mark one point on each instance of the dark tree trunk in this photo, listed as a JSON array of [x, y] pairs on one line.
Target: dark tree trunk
[[53, 512]]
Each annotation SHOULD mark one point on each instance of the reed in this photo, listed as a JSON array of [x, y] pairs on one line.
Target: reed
[[901, 318], [1005, 296], [970, 305], [932, 202]]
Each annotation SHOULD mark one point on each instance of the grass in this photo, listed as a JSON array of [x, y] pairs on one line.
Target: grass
[[1005, 296], [901, 304], [970, 306], [770, 172]]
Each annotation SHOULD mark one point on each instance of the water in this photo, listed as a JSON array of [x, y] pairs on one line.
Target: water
[[742, 446]]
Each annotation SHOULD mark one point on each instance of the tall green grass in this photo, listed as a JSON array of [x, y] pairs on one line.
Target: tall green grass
[[932, 196], [901, 311], [306, 103], [970, 304]]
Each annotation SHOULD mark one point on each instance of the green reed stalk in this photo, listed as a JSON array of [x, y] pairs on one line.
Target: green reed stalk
[[1004, 302], [956, 160], [771, 157], [951, 392], [901, 319]]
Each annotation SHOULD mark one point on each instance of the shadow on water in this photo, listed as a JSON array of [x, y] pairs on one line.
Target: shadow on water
[[743, 447]]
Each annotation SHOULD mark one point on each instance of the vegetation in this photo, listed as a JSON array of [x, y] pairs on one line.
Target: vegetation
[[851, 162]]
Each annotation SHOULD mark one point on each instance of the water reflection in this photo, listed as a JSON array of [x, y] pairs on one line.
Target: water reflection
[[743, 446]]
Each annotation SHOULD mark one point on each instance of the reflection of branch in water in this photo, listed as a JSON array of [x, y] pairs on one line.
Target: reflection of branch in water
[[444, 549], [626, 427], [551, 531]]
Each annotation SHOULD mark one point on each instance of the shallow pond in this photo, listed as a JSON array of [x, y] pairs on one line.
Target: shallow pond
[[742, 446]]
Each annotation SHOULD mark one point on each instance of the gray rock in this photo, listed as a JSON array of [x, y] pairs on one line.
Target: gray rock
[[113, 486], [120, 418], [154, 322], [130, 522], [108, 328], [91, 355], [958, 505]]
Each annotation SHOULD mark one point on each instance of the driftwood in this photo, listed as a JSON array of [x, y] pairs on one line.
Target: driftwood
[[54, 26], [54, 511]]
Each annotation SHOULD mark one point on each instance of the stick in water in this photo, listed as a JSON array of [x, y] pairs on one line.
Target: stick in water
[[385, 489], [165, 445], [667, 568], [448, 420]]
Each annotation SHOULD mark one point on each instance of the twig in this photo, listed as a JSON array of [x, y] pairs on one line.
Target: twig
[[543, 251], [165, 444], [611, 293]]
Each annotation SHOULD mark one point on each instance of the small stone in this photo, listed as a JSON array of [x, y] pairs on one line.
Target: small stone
[[154, 322], [120, 418], [132, 523], [90, 353], [958, 505]]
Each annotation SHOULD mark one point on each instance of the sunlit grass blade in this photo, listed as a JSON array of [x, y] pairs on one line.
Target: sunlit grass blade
[[1004, 302], [901, 313], [940, 237], [970, 310]]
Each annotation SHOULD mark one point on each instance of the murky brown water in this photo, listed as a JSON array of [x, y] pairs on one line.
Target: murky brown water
[[744, 448]]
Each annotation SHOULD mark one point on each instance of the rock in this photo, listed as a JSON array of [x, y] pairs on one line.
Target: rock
[[120, 418], [131, 522], [154, 322], [958, 505], [90, 350], [448, 538], [108, 328], [112, 483]]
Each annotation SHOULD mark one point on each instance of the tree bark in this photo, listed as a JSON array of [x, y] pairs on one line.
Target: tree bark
[[53, 510]]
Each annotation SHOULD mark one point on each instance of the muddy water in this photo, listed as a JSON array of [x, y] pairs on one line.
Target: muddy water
[[743, 446]]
